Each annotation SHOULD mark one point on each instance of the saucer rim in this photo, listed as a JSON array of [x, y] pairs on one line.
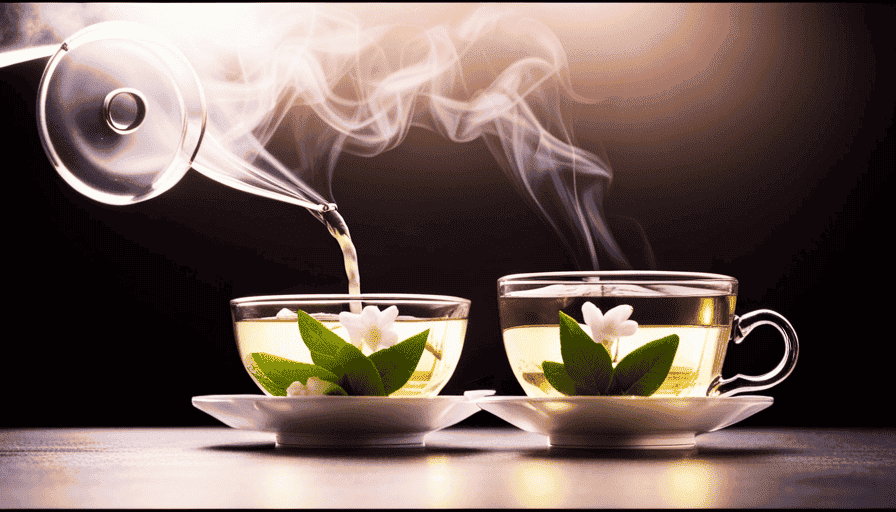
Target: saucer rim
[[326, 398], [633, 399], [686, 418], [277, 414]]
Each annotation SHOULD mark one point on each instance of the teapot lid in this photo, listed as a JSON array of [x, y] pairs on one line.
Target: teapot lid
[[121, 112]]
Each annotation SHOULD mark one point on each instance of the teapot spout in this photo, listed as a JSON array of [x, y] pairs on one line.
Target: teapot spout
[[333, 220], [13, 57], [219, 163]]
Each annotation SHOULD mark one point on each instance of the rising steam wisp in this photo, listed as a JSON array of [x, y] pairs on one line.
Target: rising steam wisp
[[289, 88]]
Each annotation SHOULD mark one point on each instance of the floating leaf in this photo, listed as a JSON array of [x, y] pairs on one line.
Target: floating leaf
[[556, 375], [643, 371], [357, 373], [260, 377], [321, 342], [275, 373], [397, 363], [588, 363]]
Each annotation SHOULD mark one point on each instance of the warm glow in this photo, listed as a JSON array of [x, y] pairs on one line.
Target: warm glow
[[538, 484], [440, 487], [690, 484], [283, 485], [555, 407], [291, 87], [633, 49], [706, 311]]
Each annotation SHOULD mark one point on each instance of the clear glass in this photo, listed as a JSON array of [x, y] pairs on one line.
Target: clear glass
[[698, 307], [101, 73], [258, 329], [122, 116]]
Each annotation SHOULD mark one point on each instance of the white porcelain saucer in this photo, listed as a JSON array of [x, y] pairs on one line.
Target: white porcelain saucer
[[624, 421], [339, 421]]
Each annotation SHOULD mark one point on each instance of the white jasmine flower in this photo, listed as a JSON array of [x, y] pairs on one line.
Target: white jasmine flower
[[372, 329], [285, 313], [314, 387], [611, 326]]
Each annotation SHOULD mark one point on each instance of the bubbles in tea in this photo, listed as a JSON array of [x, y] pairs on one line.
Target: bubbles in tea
[[532, 336]]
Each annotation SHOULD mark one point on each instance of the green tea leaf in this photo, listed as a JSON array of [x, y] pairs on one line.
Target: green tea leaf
[[556, 375], [357, 373], [260, 377], [322, 342], [588, 363], [397, 363], [615, 388], [643, 371], [324, 361], [276, 373]]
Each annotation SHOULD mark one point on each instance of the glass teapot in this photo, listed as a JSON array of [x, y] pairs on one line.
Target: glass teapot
[[122, 116]]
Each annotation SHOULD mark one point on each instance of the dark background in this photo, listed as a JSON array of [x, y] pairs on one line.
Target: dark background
[[118, 315]]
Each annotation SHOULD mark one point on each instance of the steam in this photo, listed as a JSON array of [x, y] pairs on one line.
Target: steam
[[290, 88]]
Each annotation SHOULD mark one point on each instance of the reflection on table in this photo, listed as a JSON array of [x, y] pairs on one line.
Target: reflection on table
[[460, 467]]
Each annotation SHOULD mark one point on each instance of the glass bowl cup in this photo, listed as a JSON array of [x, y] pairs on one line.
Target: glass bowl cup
[[269, 324]]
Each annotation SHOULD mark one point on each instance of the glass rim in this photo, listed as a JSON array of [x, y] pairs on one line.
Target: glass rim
[[336, 298], [618, 276]]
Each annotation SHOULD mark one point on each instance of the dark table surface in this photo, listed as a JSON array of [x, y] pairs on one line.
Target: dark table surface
[[459, 467]]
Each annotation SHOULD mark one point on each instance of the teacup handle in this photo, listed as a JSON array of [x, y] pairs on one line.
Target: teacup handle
[[740, 328]]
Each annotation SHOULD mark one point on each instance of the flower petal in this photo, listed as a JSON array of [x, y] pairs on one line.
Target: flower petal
[[316, 386], [296, 389], [369, 315], [388, 316], [388, 338], [619, 314], [591, 313], [285, 313], [627, 328], [350, 320], [354, 326], [595, 320]]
